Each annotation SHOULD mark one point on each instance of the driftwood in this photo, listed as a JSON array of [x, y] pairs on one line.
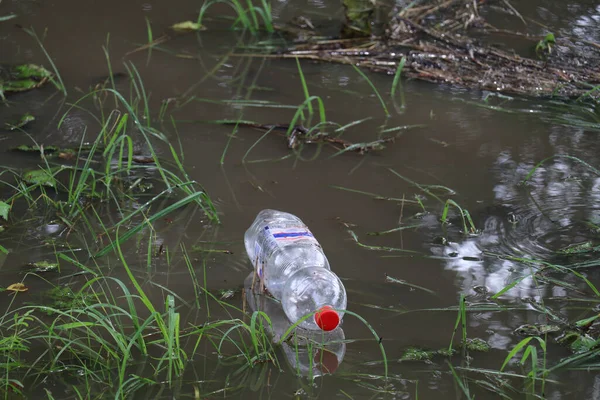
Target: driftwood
[[297, 135], [440, 50]]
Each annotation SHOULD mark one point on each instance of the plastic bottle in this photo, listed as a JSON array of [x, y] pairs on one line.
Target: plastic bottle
[[309, 353], [291, 265]]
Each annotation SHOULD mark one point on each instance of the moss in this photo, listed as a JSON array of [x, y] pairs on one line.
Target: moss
[[24, 120], [22, 78], [477, 344], [419, 354], [359, 14], [64, 298], [579, 248], [446, 352], [43, 266], [416, 354], [576, 341]]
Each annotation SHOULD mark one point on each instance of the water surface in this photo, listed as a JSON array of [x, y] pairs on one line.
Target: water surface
[[481, 154]]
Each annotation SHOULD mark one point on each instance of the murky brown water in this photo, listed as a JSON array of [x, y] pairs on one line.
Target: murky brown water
[[479, 153]]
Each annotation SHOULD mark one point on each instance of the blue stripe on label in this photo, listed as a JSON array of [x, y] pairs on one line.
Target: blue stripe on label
[[292, 234]]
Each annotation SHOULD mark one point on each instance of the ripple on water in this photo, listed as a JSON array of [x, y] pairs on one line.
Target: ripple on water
[[533, 222]]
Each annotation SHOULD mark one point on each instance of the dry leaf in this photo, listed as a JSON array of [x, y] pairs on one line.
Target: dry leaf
[[66, 155], [143, 159], [17, 287], [187, 26]]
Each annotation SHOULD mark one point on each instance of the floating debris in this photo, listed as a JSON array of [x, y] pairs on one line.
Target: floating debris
[[188, 26], [22, 78], [64, 298], [579, 248], [24, 120], [44, 177], [477, 344], [43, 266], [4, 210], [536, 330], [440, 50], [17, 287]]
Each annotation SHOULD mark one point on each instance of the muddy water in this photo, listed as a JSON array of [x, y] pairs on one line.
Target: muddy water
[[481, 154]]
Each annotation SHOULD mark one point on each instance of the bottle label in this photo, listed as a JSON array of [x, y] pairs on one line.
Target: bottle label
[[275, 238]]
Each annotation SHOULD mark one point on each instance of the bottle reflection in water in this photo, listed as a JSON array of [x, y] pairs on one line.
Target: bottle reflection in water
[[309, 353]]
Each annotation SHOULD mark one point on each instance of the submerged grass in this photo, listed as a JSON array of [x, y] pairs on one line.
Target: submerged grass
[[117, 339], [308, 124], [247, 15], [397, 76], [565, 156], [60, 84], [104, 338], [100, 341], [583, 113], [100, 338], [379, 248], [528, 363], [304, 85], [112, 182], [535, 367], [467, 223], [366, 78]]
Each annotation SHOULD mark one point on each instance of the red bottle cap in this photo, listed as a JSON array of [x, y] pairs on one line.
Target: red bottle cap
[[327, 318]]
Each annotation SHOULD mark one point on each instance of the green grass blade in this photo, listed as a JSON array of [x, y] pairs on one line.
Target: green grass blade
[[148, 221], [397, 75], [459, 381], [61, 84], [304, 86], [515, 350], [365, 77]]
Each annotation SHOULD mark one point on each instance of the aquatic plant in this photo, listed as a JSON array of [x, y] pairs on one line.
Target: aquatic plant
[[247, 15]]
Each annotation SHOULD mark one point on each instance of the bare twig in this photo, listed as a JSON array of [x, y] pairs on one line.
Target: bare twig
[[514, 10]]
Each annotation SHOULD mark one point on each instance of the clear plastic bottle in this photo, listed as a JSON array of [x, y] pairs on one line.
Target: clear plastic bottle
[[291, 265]]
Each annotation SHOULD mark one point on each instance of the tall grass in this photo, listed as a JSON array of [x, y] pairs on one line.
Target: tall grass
[[366, 78], [304, 85], [397, 76], [120, 336], [118, 339], [298, 115], [60, 84], [247, 15], [530, 353], [104, 336], [74, 182], [464, 214]]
